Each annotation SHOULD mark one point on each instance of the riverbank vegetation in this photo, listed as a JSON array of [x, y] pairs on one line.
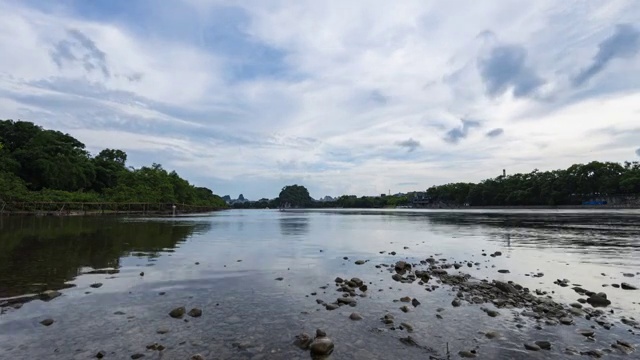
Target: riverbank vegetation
[[45, 165]]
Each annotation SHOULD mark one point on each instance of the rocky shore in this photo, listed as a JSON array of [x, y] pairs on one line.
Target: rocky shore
[[496, 299]]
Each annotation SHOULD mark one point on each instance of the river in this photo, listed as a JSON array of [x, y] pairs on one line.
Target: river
[[226, 264]]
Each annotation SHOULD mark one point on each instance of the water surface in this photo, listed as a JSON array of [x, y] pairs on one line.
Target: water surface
[[248, 314]]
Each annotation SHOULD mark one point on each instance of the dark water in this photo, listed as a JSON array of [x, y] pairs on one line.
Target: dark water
[[249, 315]]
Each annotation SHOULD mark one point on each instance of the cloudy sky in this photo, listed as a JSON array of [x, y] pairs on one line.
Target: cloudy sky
[[356, 97]]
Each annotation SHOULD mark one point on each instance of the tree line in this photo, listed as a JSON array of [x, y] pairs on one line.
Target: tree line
[[47, 165], [571, 186]]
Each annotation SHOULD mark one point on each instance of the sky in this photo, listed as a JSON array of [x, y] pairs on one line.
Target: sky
[[343, 97]]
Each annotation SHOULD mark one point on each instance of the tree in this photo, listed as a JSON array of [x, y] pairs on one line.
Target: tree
[[295, 195]]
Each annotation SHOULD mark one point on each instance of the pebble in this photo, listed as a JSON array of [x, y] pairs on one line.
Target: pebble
[[137, 356], [321, 345], [178, 312], [404, 308], [545, 345], [101, 354], [504, 271], [197, 357], [456, 302], [96, 285], [467, 354], [279, 278], [627, 286], [355, 316], [359, 262], [492, 334], [415, 302], [532, 347], [46, 322], [195, 312], [586, 332]]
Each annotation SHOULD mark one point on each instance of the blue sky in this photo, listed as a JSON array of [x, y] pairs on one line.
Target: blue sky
[[357, 97]]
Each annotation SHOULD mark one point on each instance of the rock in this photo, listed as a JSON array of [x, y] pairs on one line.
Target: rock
[[357, 281], [279, 278], [393, 253], [137, 356], [331, 307], [303, 341], [576, 305], [467, 354], [409, 341], [321, 345], [497, 253], [197, 357], [593, 353], [407, 327], [405, 299], [532, 347], [456, 302], [142, 274], [404, 308], [586, 332], [492, 334], [339, 280], [101, 354], [627, 286], [49, 295], [628, 275], [359, 262], [402, 266], [617, 286], [598, 300], [345, 258], [355, 317], [415, 302], [566, 320], [492, 313], [347, 301], [545, 345], [195, 312], [162, 331], [96, 285], [156, 347], [505, 287], [363, 288], [504, 271], [178, 312], [46, 322]]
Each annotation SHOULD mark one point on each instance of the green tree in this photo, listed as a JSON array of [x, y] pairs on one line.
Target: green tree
[[295, 195]]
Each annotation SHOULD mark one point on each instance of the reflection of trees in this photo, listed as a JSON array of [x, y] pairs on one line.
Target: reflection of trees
[[51, 250], [294, 225]]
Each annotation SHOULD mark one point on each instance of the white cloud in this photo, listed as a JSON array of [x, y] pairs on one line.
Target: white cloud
[[350, 81]]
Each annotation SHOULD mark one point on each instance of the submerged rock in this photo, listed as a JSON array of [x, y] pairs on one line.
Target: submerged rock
[[197, 357], [531, 347], [177, 312], [467, 353], [543, 344], [359, 262], [355, 316], [303, 341], [321, 345], [627, 286], [598, 300], [100, 354], [195, 312], [49, 295], [96, 285], [47, 322]]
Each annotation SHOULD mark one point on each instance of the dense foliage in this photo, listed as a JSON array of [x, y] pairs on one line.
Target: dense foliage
[[295, 196], [46, 165], [578, 183]]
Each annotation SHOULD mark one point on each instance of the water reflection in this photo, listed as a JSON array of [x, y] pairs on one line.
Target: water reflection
[[38, 253], [294, 224]]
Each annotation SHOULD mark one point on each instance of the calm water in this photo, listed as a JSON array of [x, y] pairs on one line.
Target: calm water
[[249, 315]]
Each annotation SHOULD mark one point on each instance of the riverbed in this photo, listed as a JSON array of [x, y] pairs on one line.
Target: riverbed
[[261, 277]]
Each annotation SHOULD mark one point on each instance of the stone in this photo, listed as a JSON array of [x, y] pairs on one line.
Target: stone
[[178, 312], [409, 341], [363, 288], [566, 320], [467, 354], [415, 302], [586, 332], [456, 302], [543, 344], [504, 271], [96, 285], [598, 300], [49, 295], [195, 312], [492, 334], [331, 307], [197, 357], [405, 299], [303, 341], [162, 331], [346, 301], [355, 316], [407, 327], [279, 278], [404, 308], [46, 322], [339, 280], [359, 262], [492, 313], [137, 356], [402, 266], [576, 305], [627, 286], [321, 345], [142, 274], [357, 281], [100, 354], [628, 275], [532, 347]]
